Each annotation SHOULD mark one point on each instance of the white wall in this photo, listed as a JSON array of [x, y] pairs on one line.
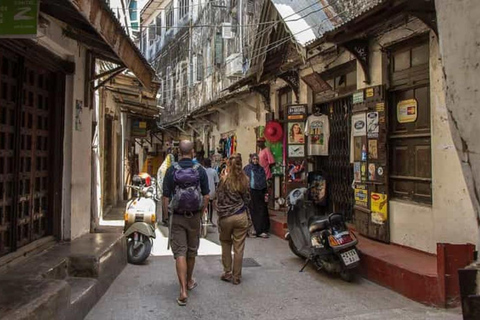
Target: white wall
[[77, 150], [459, 30]]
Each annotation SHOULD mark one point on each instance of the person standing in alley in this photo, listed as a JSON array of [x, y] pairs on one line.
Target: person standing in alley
[[232, 201], [185, 194], [213, 181], [258, 189], [265, 157]]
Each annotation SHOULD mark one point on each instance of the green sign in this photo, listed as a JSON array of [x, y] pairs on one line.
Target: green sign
[[18, 18], [139, 129]]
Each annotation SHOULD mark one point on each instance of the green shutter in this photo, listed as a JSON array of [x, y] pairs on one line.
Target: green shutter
[[218, 49]]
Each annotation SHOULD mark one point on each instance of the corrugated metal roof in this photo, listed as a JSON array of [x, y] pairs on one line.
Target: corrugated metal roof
[[309, 20]]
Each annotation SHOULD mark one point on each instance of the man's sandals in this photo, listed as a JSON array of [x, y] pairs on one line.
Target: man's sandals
[[183, 302]]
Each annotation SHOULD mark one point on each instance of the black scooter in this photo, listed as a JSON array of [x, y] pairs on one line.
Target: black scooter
[[323, 240]]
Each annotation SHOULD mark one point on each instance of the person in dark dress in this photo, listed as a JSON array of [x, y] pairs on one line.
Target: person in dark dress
[[258, 188]]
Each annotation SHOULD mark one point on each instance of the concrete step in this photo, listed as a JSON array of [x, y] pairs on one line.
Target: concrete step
[[68, 279], [84, 294]]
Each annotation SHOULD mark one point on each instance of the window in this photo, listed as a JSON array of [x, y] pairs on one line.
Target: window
[[143, 43], [199, 75], [285, 98], [158, 23], [183, 9], [169, 15], [151, 33], [409, 123]]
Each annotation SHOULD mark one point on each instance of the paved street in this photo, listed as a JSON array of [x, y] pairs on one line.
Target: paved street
[[273, 290]]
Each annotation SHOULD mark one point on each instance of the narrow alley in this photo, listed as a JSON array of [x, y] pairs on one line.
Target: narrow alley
[[272, 289]]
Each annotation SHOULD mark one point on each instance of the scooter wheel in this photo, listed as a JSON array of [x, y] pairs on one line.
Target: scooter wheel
[[348, 275], [294, 249], [140, 254]]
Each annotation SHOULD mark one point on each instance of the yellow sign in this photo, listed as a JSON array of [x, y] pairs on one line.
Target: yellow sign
[[407, 111], [378, 206], [142, 124], [370, 92], [361, 196]]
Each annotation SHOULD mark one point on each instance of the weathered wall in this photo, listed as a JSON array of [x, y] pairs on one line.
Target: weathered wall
[[459, 31], [422, 226], [451, 217], [77, 164], [244, 122]]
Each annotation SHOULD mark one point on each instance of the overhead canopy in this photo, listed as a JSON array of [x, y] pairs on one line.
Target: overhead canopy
[[95, 25], [309, 20], [131, 98]]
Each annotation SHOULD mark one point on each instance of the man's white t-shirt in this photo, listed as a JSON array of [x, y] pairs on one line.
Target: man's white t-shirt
[[317, 128]]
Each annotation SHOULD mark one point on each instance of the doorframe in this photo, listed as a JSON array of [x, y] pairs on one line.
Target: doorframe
[[30, 51]]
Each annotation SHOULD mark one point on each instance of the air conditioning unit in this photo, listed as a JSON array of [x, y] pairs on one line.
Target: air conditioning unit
[[234, 65], [227, 32]]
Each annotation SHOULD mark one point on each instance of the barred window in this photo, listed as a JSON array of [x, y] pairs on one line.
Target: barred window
[[183, 9], [170, 17]]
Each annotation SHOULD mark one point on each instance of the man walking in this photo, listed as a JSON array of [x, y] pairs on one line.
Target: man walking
[[185, 194]]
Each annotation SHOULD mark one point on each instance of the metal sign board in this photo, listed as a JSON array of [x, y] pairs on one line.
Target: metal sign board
[[139, 129], [297, 112], [407, 111], [18, 18]]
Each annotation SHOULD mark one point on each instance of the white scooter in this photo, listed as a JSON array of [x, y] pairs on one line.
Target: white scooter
[[140, 219]]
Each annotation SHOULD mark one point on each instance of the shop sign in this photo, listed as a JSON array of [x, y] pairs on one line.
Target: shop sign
[[361, 196], [372, 125], [369, 92], [359, 125], [18, 18], [297, 112], [139, 129], [378, 207], [358, 97], [407, 111]]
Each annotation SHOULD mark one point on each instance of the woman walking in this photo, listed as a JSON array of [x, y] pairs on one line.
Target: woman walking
[[233, 218], [258, 189]]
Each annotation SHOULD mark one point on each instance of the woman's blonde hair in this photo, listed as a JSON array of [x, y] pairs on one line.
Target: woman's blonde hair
[[235, 179]]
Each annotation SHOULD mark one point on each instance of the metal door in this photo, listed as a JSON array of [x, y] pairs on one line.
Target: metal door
[[337, 167], [26, 102]]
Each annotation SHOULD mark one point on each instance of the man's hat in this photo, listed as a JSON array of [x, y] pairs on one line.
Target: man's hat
[[273, 131]]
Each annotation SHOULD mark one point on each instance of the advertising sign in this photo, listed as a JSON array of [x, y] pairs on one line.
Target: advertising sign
[[361, 196], [407, 111], [18, 18], [378, 206], [139, 129], [359, 124]]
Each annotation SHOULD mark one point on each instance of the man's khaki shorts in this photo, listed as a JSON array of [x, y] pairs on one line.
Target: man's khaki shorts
[[185, 235]]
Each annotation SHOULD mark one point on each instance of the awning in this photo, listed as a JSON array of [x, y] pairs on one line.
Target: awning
[[131, 98], [309, 20], [95, 25]]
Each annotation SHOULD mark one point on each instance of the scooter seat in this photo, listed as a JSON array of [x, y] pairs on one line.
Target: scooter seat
[[317, 223]]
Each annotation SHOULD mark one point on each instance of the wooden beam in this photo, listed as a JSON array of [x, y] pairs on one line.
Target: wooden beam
[[221, 111], [193, 128], [181, 129]]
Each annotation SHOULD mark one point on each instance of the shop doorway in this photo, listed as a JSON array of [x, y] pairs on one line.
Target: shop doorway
[[31, 138], [336, 166]]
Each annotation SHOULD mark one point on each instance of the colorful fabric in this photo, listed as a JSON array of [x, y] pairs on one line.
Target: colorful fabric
[[266, 159], [167, 163]]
